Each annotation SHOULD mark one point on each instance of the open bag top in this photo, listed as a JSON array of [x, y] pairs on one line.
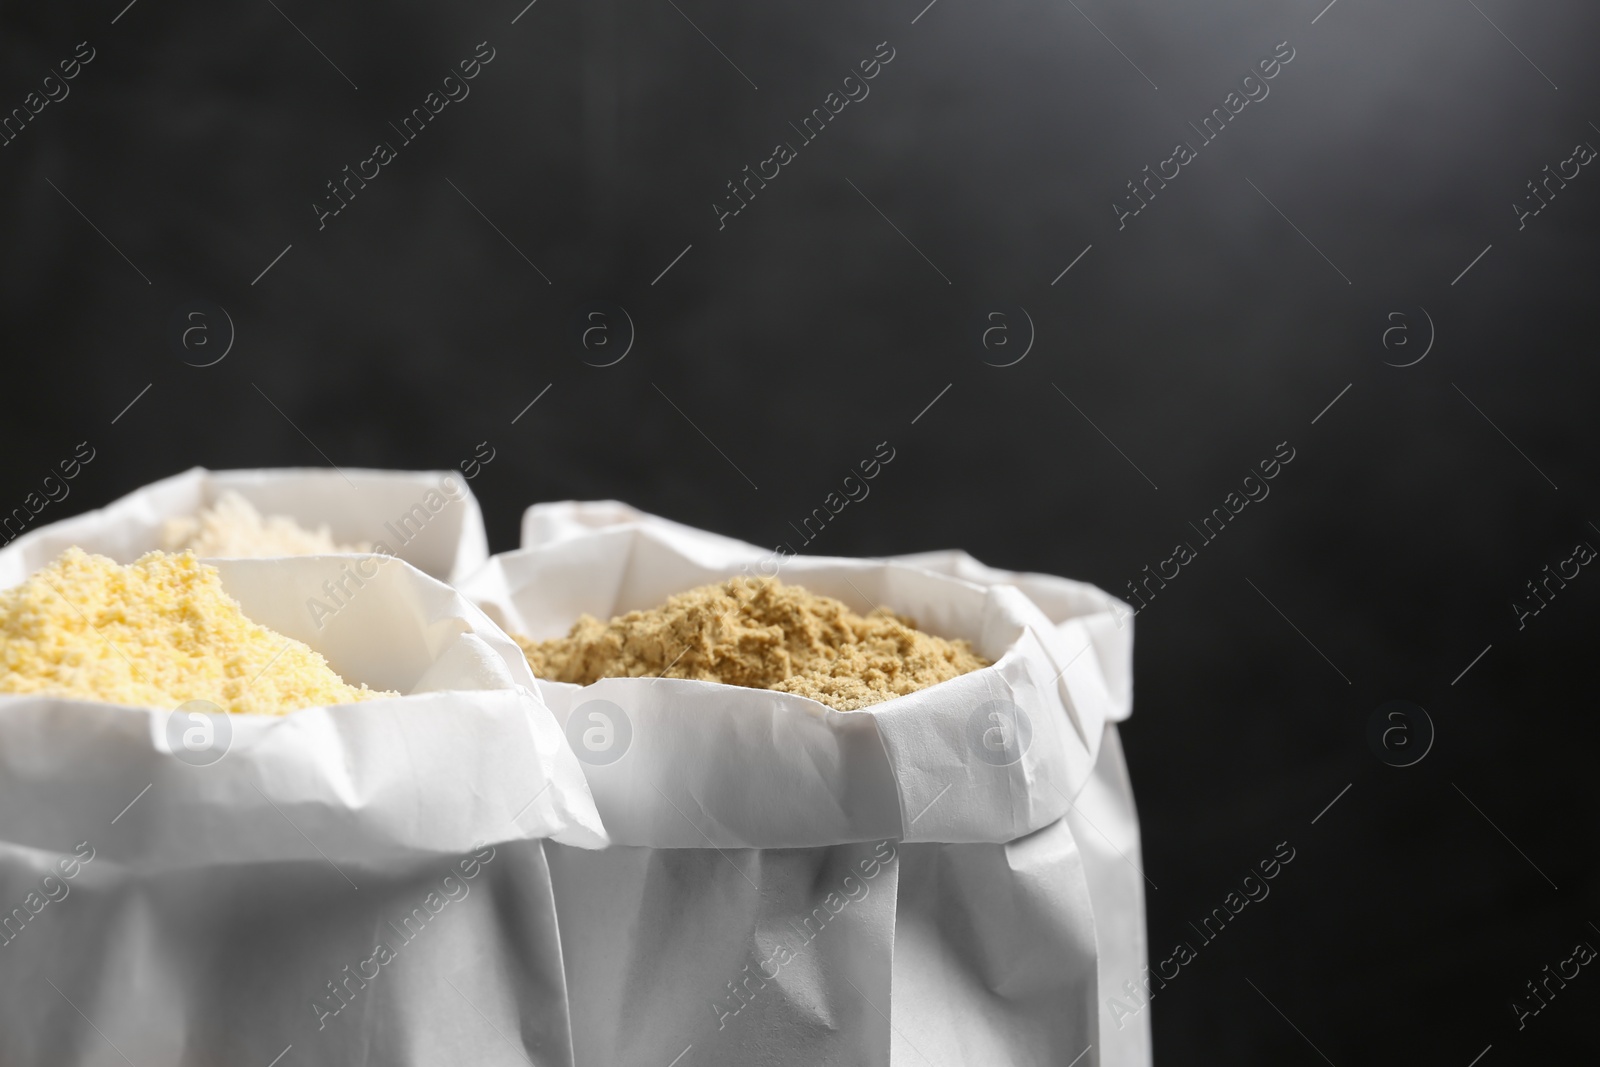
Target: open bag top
[[466, 754], [991, 755], [433, 524]]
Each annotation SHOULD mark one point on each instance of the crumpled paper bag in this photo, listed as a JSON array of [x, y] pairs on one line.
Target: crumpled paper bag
[[359, 884], [733, 916], [430, 519]]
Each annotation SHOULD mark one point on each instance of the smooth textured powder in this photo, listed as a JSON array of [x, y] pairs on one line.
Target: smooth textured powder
[[157, 633], [232, 527], [762, 634]]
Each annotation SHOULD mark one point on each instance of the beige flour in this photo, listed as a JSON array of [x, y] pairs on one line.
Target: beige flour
[[763, 635], [232, 527]]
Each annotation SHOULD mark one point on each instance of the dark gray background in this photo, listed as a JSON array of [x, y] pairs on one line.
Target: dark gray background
[[1197, 338]]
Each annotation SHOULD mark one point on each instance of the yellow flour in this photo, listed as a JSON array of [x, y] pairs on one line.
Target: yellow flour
[[763, 635], [157, 632]]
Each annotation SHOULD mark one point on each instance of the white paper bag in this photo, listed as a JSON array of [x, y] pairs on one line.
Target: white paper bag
[[203, 890], [734, 915], [430, 519]]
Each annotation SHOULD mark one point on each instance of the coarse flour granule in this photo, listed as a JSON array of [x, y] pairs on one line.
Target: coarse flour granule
[[762, 634]]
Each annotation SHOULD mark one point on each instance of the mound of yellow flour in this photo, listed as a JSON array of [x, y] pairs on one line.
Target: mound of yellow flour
[[157, 632]]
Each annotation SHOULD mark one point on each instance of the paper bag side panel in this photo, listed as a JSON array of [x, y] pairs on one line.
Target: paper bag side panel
[[1106, 825], [780, 957], [233, 965], [994, 957]]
